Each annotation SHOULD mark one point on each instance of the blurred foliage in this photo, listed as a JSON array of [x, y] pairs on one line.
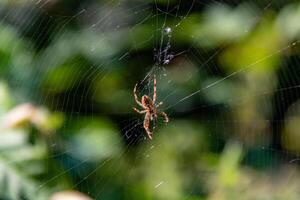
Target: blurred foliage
[[67, 71]]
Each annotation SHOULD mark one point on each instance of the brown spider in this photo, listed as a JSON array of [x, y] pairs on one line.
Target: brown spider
[[150, 109]]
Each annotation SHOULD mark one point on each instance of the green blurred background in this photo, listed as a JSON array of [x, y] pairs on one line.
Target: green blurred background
[[231, 91]]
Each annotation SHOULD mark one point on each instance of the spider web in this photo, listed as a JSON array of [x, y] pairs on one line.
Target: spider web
[[176, 64]]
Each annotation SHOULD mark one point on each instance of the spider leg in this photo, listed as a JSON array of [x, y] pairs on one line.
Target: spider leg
[[154, 89], [136, 97], [147, 126], [159, 104], [165, 116], [139, 111]]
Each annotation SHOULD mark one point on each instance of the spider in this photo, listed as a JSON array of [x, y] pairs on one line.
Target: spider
[[150, 109]]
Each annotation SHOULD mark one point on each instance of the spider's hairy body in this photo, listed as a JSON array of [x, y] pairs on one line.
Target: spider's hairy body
[[149, 109], [149, 106]]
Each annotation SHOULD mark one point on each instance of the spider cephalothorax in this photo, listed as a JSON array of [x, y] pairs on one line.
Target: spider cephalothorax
[[150, 109]]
